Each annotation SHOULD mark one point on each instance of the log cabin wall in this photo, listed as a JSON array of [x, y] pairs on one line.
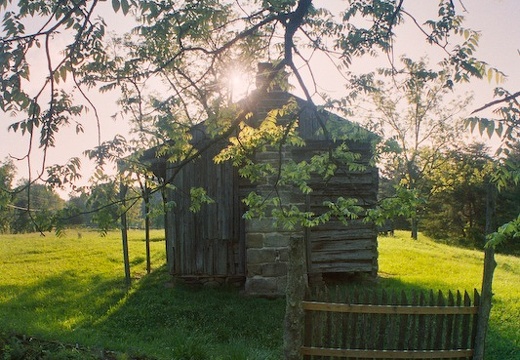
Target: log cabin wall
[[208, 245], [332, 247], [216, 244]]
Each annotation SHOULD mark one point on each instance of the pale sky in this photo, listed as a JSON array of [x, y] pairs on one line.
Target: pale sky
[[497, 20]]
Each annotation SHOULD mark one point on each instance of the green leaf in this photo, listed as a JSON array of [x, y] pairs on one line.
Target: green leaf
[[500, 129], [491, 129], [63, 73], [125, 6], [482, 126], [116, 5]]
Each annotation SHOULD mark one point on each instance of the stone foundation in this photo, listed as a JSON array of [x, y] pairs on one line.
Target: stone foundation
[[212, 281]]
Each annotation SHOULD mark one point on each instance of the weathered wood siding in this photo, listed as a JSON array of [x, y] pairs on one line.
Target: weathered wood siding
[[335, 247], [213, 240], [207, 242]]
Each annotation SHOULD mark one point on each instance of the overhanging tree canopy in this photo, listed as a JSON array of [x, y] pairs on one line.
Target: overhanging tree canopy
[[171, 69]]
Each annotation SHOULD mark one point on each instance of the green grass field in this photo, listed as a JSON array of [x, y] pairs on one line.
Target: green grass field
[[70, 290]]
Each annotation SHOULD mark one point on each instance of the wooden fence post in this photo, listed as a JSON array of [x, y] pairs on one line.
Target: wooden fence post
[[485, 303]]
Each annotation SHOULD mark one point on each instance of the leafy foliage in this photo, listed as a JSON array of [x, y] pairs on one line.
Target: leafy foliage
[[408, 108], [35, 208], [7, 174], [172, 73]]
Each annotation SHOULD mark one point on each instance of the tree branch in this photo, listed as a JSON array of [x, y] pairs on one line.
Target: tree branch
[[498, 101]]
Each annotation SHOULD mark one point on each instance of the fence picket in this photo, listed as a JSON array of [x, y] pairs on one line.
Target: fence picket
[[377, 325], [346, 323], [414, 331], [403, 319], [376, 321], [457, 320], [383, 323], [354, 339], [466, 323], [476, 301], [422, 324]]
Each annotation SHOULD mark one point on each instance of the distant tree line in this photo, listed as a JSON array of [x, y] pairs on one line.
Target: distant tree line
[[459, 198], [38, 208]]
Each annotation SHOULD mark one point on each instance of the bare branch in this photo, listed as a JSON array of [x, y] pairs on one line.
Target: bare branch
[[498, 101]]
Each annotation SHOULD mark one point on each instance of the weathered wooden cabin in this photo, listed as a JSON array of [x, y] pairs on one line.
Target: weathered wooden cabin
[[216, 244]]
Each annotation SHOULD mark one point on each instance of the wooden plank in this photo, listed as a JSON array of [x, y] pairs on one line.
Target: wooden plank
[[326, 242], [457, 322], [476, 301], [421, 324], [375, 322], [347, 325], [356, 333], [430, 322], [328, 329], [393, 329], [448, 341], [337, 323], [364, 326], [439, 323], [387, 309], [413, 330], [383, 323], [466, 321], [341, 256], [342, 267], [403, 323], [388, 354]]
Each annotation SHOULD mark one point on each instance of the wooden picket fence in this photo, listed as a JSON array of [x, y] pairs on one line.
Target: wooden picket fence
[[383, 325]]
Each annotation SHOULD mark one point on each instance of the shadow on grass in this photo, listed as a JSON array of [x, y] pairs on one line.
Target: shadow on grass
[[152, 317], [182, 322], [59, 305], [169, 322]]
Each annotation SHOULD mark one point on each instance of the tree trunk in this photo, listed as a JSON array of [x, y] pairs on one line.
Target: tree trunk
[[147, 227], [490, 208], [124, 234], [170, 256], [415, 228], [487, 279], [485, 303], [296, 286]]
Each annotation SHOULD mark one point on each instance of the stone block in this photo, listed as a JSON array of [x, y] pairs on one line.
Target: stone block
[[267, 255], [254, 269], [274, 269], [259, 286], [261, 256], [254, 240], [276, 239], [282, 255]]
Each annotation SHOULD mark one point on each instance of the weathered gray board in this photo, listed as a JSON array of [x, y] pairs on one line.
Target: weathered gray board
[[207, 242], [212, 241]]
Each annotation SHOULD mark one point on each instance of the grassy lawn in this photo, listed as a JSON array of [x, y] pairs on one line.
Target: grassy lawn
[[71, 290], [424, 264]]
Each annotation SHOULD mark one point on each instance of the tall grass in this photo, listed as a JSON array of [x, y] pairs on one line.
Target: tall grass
[[72, 290]]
